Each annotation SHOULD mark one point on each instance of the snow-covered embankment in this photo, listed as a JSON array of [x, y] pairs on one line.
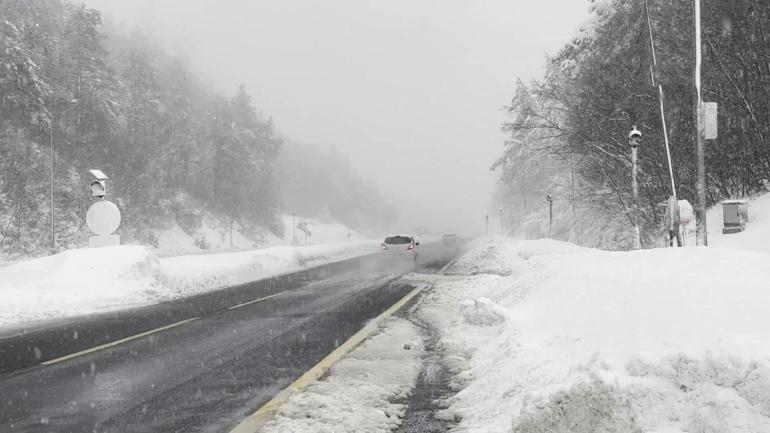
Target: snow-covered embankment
[[543, 336], [85, 281]]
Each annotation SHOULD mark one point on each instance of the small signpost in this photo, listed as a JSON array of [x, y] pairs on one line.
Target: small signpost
[[103, 217]]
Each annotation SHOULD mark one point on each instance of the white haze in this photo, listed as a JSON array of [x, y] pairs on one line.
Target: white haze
[[411, 91]]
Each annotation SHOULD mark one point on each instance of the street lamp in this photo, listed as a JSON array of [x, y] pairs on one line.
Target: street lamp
[[634, 140], [55, 121]]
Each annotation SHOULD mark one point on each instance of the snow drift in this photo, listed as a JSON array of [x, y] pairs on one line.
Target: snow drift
[[543, 336]]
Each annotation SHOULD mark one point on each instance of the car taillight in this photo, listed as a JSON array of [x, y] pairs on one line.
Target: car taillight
[[384, 247], [410, 247]]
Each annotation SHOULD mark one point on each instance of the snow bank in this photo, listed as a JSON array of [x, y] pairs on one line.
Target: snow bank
[[366, 391], [196, 273], [756, 237], [85, 281], [77, 282], [543, 336]]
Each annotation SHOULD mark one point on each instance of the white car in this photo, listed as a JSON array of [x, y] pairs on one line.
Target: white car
[[400, 245]]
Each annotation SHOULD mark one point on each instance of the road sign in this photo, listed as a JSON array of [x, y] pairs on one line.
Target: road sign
[[710, 120], [103, 217]]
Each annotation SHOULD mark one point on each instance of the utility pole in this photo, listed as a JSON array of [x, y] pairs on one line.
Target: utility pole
[[634, 139], [701, 236]]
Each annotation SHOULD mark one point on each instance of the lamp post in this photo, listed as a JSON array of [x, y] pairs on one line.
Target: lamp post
[[54, 123], [634, 140]]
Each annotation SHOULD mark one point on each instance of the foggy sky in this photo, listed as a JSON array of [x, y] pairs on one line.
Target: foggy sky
[[410, 90]]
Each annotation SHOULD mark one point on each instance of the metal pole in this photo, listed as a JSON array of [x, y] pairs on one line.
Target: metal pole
[[634, 169], [550, 219], [54, 122], [293, 227], [701, 237], [654, 69], [574, 210], [53, 231], [487, 218]]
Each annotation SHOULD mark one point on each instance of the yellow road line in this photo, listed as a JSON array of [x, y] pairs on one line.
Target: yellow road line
[[117, 342], [254, 301], [255, 421]]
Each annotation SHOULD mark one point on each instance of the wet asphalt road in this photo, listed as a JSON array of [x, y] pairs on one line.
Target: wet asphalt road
[[205, 375]]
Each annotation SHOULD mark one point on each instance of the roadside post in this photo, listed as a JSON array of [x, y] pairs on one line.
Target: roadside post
[[502, 230], [634, 140], [549, 199], [103, 217], [294, 239], [54, 123]]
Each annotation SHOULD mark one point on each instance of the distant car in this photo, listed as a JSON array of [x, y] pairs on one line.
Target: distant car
[[402, 246], [450, 239]]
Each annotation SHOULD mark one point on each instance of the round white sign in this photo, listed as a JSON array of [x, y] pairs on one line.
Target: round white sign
[[103, 217]]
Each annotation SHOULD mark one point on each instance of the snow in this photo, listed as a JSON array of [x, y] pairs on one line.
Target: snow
[[756, 237], [545, 336], [214, 233], [86, 281], [176, 240], [364, 392], [225, 269], [320, 232]]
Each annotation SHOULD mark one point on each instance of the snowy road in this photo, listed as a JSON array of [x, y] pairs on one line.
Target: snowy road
[[205, 374]]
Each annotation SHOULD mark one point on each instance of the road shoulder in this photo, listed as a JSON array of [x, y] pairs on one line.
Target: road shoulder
[[364, 391]]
